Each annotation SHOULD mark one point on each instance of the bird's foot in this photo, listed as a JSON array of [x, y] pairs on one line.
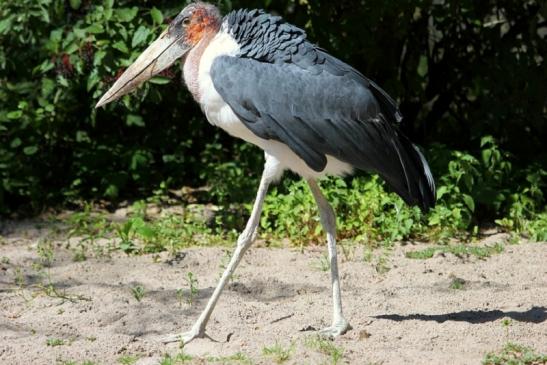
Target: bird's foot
[[338, 328], [184, 337]]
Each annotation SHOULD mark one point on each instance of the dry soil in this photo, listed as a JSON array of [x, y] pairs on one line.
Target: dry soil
[[410, 314]]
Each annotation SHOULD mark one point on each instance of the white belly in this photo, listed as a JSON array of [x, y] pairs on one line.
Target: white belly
[[221, 115]]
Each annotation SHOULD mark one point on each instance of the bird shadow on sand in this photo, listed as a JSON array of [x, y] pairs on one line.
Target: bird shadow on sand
[[533, 315]]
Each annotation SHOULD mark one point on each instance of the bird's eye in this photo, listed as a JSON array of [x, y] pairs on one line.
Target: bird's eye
[[186, 22]]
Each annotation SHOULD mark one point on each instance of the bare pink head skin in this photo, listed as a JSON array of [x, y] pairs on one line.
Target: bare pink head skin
[[192, 29]]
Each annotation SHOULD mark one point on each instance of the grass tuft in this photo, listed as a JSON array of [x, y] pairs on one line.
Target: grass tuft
[[461, 250], [178, 359], [53, 342], [515, 354], [326, 347], [278, 353]]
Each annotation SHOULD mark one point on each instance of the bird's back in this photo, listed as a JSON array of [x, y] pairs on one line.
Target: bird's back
[[286, 89]]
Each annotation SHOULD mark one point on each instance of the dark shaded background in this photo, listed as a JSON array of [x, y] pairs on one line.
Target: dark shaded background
[[461, 70]]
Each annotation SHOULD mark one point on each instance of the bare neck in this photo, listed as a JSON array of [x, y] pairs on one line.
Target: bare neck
[[191, 65]]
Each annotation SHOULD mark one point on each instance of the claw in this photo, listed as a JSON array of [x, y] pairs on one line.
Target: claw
[[336, 329], [184, 338]]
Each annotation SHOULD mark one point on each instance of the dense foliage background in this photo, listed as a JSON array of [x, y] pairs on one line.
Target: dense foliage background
[[470, 77]]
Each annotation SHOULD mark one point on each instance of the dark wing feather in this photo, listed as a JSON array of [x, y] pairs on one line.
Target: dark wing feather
[[320, 113]]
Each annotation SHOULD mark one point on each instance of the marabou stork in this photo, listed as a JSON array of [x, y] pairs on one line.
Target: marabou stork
[[258, 78]]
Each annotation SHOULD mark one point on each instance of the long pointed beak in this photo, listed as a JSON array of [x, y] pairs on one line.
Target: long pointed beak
[[157, 57]]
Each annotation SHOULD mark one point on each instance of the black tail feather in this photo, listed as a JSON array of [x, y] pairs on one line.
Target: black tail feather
[[413, 181]]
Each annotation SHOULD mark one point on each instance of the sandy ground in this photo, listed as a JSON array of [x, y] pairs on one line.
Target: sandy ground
[[407, 315]]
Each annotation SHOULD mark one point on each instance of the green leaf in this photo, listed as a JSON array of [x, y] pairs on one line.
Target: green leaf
[[5, 24], [16, 143], [45, 15], [136, 120], [138, 160], [93, 79], [120, 46], [62, 81], [468, 200], [82, 136], [108, 4], [486, 155], [158, 80], [72, 48], [156, 15], [15, 114], [140, 36], [46, 66], [98, 58], [111, 191], [75, 4], [126, 14], [441, 191], [146, 231], [95, 29], [487, 140], [423, 66], [54, 42], [30, 150], [80, 33]]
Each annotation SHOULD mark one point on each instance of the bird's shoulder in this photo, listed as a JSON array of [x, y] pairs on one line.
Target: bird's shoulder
[[270, 39], [264, 37]]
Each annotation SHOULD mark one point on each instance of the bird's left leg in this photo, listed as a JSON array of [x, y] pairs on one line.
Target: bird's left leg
[[339, 324], [272, 170]]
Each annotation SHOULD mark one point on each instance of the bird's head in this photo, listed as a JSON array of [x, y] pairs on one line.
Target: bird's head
[[194, 22]]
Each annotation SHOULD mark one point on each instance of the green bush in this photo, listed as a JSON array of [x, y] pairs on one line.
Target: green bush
[[461, 71]]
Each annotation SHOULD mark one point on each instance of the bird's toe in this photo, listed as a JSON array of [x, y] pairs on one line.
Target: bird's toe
[[336, 329], [183, 338], [170, 338]]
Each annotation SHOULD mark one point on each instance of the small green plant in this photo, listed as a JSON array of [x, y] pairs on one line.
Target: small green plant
[[515, 354], [19, 280], [53, 342], [45, 252], [323, 263], [138, 292], [48, 288], [325, 346], [238, 358], [506, 323], [193, 289], [180, 296], [128, 360], [278, 353], [5, 260], [178, 359], [79, 256], [457, 283], [126, 234], [461, 250], [368, 255], [382, 264], [88, 224]]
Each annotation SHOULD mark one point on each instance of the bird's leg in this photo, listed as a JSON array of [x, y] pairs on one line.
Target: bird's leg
[[328, 220], [244, 241]]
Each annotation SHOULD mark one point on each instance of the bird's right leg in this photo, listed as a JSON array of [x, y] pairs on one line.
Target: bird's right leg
[[245, 239], [328, 219]]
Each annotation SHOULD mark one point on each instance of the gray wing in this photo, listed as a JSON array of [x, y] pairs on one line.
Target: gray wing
[[318, 111]]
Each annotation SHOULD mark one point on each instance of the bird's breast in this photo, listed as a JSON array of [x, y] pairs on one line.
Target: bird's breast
[[217, 111]]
